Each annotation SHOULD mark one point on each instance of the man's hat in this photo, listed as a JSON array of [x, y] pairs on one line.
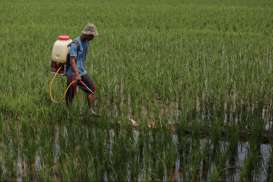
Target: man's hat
[[90, 29]]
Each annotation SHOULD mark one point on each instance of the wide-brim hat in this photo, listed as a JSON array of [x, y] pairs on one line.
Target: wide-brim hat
[[90, 29]]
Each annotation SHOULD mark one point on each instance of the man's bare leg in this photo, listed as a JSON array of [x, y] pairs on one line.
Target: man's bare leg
[[91, 99]]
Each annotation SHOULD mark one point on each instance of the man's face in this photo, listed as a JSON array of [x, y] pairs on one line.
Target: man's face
[[89, 37]]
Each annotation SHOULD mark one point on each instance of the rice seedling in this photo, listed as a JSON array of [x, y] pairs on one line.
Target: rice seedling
[[196, 77]]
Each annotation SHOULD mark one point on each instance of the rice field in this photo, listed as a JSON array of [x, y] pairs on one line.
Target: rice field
[[196, 76]]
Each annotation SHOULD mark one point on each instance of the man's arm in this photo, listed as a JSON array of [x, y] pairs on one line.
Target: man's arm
[[75, 68]]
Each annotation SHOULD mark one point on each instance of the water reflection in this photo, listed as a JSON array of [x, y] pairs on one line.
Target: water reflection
[[265, 151], [144, 154]]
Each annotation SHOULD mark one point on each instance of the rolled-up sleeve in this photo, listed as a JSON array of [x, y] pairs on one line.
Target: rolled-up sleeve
[[73, 50]]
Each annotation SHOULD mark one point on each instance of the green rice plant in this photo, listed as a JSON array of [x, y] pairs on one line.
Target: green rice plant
[[172, 63], [252, 161], [215, 176]]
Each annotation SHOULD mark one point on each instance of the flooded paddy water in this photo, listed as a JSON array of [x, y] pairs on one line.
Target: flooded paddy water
[[105, 151]]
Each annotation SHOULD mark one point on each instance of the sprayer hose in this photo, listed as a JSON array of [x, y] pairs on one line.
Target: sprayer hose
[[50, 88]]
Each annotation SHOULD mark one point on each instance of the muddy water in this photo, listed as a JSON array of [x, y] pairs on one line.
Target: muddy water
[[146, 155]]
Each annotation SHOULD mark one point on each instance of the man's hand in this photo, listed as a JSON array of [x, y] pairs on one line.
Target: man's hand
[[77, 76]]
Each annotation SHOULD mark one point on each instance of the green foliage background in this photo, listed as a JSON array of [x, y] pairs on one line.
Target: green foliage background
[[174, 50], [153, 60]]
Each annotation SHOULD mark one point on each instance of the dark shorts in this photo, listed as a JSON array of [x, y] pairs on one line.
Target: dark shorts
[[86, 84]]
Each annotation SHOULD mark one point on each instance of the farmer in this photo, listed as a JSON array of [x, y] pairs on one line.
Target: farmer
[[76, 67]]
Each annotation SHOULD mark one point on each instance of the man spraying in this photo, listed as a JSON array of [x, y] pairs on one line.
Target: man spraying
[[76, 67]]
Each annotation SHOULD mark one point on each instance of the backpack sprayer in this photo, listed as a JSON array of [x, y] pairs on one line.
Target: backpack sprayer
[[59, 58], [59, 54]]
